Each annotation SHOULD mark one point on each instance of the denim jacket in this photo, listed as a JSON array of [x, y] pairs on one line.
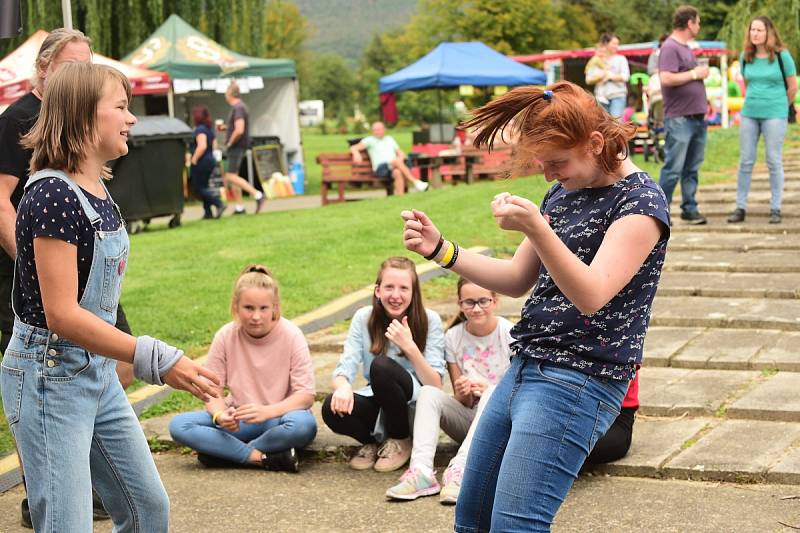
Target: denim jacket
[[356, 350]]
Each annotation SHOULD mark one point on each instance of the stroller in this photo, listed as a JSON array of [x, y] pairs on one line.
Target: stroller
[[654, 145]]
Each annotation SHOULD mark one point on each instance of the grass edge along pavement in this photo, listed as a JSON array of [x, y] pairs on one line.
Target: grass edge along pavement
[[322, 317]]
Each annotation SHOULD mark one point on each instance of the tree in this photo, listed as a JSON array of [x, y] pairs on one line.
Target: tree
[[784, 13], [329, 79], [263, 28]]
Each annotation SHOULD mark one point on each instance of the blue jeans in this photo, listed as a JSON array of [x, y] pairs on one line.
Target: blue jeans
[[774, 130], [69, 415], [532, 439], [685, 149], [295, 429], [616, 106]]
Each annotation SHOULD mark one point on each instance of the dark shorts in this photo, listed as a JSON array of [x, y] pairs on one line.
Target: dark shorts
[[384, 171], [235, 156]]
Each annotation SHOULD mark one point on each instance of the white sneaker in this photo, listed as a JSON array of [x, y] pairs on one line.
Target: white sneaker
[[451, 482], [421, 185]]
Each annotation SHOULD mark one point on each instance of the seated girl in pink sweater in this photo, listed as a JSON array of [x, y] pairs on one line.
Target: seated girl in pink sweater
[[264, 361]]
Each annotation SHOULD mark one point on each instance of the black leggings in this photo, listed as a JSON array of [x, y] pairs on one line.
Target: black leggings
[[617, 440], [392, 388]]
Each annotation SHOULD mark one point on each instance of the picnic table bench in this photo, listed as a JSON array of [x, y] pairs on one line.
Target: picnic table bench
[[340, 170]]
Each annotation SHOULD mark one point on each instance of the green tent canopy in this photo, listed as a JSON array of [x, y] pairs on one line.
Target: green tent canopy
[[185, 53]]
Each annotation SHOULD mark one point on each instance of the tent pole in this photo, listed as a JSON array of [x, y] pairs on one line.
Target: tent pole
[[171, 102], [66, 12], [723, 66], [441, 118]]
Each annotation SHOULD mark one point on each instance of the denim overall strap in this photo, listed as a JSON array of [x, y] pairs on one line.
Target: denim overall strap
[[109, 259], [90, 212]]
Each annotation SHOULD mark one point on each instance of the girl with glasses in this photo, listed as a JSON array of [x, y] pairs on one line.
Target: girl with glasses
[[477, 353]]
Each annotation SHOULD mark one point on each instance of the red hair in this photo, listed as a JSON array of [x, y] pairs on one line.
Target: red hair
[[200, 115], [562, 115]]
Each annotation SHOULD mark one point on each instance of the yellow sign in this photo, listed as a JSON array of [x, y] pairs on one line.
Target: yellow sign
[[500, 90], [466, 90]]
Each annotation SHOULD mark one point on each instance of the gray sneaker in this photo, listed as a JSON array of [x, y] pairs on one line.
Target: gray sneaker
[[774, 216], [737, 216]]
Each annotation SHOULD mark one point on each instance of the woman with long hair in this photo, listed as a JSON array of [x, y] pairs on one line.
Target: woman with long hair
[[769, 73]]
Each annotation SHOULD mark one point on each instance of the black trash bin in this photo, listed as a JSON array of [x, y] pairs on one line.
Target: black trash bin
[[148, 182]]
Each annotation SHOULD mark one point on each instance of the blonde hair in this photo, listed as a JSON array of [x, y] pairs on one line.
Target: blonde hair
[[66, 127], [255, 277], [52, 46], [774, 44], [233, 90]]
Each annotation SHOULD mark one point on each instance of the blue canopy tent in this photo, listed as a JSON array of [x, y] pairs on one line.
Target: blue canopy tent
[[453, 64]]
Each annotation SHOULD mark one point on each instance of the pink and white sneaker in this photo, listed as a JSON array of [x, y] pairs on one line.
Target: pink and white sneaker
[[413, 484]]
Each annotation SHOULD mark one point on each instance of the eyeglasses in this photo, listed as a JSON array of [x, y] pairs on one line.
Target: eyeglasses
[[469, 304]]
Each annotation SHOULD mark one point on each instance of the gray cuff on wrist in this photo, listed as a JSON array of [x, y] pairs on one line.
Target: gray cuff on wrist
[[153, 358]]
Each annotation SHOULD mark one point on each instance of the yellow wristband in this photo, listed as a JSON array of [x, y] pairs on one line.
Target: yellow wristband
[[451, 249], [694, 74], [214, 418]]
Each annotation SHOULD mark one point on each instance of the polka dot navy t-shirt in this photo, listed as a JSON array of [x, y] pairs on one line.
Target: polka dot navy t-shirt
[[51, 209]]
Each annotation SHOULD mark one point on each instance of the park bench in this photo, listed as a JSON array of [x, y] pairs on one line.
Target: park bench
[[340, 170]]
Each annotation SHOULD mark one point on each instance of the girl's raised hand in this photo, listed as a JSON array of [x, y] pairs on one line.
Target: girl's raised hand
[[419, 233], [515, 213], [400, 334]]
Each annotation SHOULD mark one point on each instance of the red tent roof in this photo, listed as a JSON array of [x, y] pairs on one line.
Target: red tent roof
[[17, 69]]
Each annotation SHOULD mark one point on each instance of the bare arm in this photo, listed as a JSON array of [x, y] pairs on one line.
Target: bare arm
[[791, 89], [676, 79], [625, 247], [238, 131], [355, 152], [202, 145], [57, 270], [8, 215], [455, 375], [513, 277]]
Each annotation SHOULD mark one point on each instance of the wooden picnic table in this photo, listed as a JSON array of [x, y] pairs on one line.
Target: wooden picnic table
[[430, 166]]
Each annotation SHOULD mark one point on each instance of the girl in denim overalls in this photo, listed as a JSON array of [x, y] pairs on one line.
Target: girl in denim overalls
[[67, 411], [592, 255]]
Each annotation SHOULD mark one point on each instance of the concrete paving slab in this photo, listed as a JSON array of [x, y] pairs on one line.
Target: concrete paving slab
[[754, 212], [776, 398], [328, 497], [758, 185], [788, 468], [655, 440], [325, 341], [662, 343], [760, 197], [736, 450], [736, 241], [784, 355], [730, 284], [719, 224], [759, 261], [675, 391], [758, 313], [726, 349]]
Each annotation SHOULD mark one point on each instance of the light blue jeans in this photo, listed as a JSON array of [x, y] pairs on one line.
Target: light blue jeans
[[616, 106], [531, 441], [685, 150], [774, 131], [69, 416], [295, 429]]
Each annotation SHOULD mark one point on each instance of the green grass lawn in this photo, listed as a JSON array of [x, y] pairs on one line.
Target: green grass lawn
[[179, 281]]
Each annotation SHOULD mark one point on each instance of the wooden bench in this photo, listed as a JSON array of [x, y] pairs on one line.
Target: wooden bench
[[340, 170]]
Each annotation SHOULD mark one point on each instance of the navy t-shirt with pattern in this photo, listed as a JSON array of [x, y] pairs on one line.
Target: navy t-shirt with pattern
[[51, 209], [608, 343]]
